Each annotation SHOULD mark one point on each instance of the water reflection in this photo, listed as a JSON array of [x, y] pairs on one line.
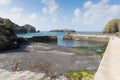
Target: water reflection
[[73, 43]]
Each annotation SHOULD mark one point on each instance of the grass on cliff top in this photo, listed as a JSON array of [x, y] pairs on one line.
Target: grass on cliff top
[[97, 49], [79, 75]]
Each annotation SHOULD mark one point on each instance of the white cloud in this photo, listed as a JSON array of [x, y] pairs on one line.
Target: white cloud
[[16, 10], [97, 14], [33, 16], [114, 11], [50, 8], [102, 11], [5, 2], [54, 20], [88, 4], [77, 14], [103, 1], [44, 10], [91, 16], [20, 18]]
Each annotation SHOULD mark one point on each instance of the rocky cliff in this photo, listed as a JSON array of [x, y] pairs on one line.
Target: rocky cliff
[[113, 26], [8, 39], [29, 28], [16, 28]]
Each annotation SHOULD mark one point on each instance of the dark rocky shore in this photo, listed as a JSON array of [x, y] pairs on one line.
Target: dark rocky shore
[[49, 59]]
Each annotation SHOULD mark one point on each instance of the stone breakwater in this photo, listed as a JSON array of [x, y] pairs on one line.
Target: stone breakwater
[[89, 37], [43, 39]]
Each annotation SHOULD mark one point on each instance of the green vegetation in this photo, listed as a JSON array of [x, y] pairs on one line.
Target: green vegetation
[[112, 26], [97, 49], [79, 75]]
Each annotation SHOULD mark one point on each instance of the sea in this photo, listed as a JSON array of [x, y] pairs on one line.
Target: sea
[[66, 43]]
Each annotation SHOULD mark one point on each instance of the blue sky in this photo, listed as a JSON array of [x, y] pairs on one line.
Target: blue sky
[[80, 15]]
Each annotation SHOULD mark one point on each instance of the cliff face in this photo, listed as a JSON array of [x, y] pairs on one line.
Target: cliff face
[[29, 28], [4, 21], [112, 26], [16, 28], [8, 39]]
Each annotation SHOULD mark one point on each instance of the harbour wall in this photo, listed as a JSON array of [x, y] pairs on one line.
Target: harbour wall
[[43, 39], [89, 37]]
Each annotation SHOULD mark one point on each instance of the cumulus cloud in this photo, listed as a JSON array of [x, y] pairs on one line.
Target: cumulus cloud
[[102, 11], [77, 14], [16, 9], [17, 15], [103, 1], [97, 12], [88, 4], [50, 7], [33, 16], [89, 15], [5, 2], [54, 20]]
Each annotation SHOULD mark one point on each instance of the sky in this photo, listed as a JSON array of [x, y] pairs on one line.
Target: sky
[[45, 15]]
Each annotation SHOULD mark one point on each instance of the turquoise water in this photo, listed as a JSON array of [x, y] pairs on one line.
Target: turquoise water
[[68, 43]]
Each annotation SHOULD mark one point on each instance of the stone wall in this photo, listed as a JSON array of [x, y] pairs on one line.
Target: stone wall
[[43, 39], [89, 37]]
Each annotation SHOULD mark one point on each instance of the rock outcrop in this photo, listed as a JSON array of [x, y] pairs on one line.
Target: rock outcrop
[[16, 28], [8, 39], [62, 30], [113, 26], [29, 28]]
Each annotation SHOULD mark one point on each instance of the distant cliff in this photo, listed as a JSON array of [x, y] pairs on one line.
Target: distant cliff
[[16, 28], [29, 28], [62, 30], [113, 26]]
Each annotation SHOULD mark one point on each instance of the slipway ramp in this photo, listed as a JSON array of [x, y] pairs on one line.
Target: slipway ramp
[[109, 68]]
